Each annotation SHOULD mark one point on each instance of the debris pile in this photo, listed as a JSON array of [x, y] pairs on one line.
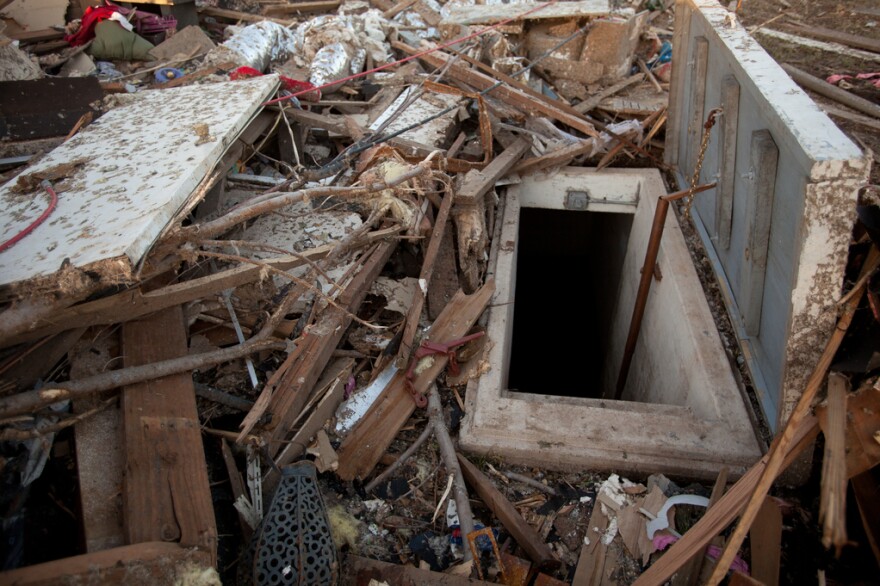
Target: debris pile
[[246, 262]]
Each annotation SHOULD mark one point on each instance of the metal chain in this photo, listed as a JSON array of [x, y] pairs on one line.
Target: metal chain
[[704, 145]]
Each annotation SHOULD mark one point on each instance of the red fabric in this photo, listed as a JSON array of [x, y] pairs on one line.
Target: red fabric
[[289, 84], [92, 16]]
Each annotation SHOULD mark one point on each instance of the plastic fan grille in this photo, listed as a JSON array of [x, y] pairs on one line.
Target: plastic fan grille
[[295, 545]]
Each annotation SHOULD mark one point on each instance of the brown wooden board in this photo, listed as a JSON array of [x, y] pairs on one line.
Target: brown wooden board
[[166, 496], [142, 564], [370, 438], [527, 538], [766, 540], [296, 385], [45, 107]]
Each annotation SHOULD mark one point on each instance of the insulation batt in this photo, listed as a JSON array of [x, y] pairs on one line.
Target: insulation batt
[[335, 46], [256, 46]]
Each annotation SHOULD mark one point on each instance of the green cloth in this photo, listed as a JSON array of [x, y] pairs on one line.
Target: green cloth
[[114, 43]]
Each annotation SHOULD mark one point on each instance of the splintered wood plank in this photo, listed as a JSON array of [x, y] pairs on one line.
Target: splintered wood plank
[[126, 177], [477, 183], [591, 563], [766, 541], [445, 283], [141, 564], [166, 496], [527, 538], [98, 441], [863, 421], [316, 349], [866, 487], [136, 303], [370, 438], [486, 14]]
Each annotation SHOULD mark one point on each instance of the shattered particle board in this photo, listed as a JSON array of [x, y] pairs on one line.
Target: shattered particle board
[[142, 165], [45, 107], [182, 43], [490, 13], [434, 134]]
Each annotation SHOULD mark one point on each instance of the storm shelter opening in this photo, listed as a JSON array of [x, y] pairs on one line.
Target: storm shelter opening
[[568, 271]]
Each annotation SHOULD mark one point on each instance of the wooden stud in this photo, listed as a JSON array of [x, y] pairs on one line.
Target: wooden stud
[[766, 542], [166, 496], [680, 41]]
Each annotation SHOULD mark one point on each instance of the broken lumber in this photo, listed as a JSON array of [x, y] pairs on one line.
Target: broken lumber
[[863, 412], [370, 438], [527, 538], [135, 303], [326, 407], [470, 212], [30, 401], [240, 16], [453, 466], [414, 314], [832, 507], [166, 493], [822, 87], [800, 413], [364, 571], [765, 537], [316, 349], [825, 34], [509, 95], [724, 512], [491, 13], [141, 564], [301, 7], [597, 99], [590, 569]]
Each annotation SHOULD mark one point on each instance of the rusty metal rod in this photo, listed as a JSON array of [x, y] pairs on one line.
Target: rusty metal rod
[[638, 313]]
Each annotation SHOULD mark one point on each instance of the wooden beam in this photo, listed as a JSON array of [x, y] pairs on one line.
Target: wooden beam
[[766, 541], [414, 314], [510, 95], [141, 564], [240, 16], [166, 495], [862, 449], [594, 101], [365, 571], [135, 303], [822, 87], [527, 538], [825, 34], [367, 442], [316, 349], [301, 7], [477, 183]]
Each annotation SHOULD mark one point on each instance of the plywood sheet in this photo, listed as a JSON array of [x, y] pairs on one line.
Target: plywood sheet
[[137, 166]]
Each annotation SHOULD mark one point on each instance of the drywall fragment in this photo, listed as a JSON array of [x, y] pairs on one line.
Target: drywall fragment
[[183, 43], [15, 65]]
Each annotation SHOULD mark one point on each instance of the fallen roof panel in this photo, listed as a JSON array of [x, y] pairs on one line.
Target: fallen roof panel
[[124, 177]]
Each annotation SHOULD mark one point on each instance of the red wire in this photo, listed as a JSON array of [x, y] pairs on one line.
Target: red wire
[[417, 55], [54, 202]]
